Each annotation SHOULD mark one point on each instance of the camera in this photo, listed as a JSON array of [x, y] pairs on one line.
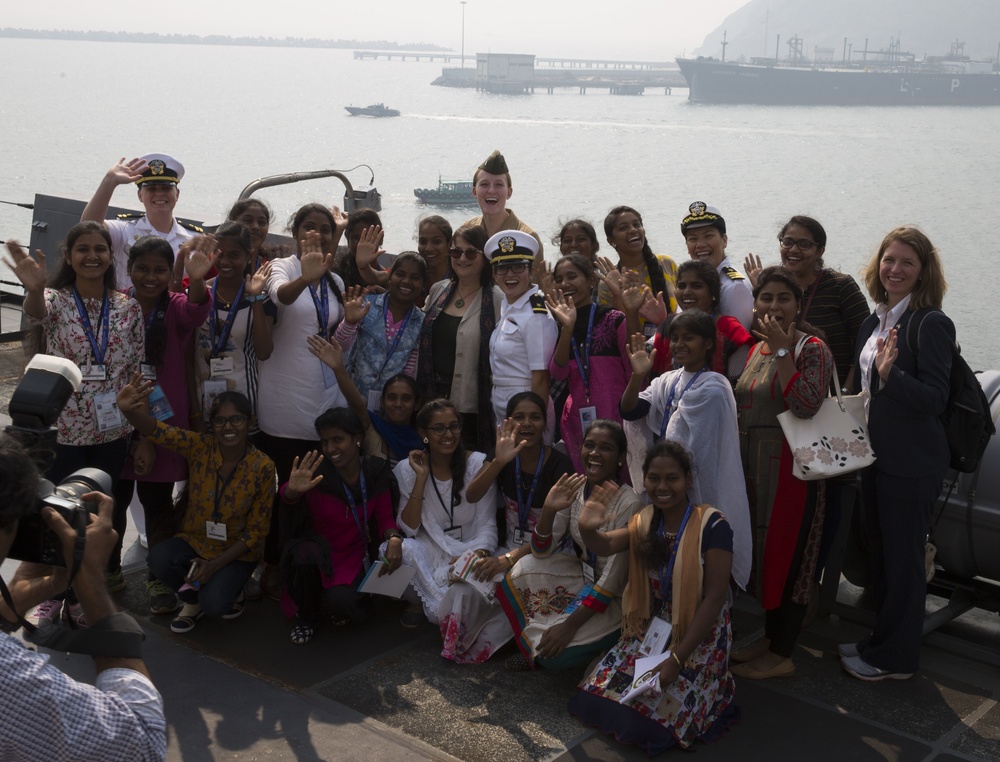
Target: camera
[[35, 541], [34, 406]]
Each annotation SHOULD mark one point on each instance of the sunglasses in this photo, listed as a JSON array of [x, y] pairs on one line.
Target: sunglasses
[[470, 254]]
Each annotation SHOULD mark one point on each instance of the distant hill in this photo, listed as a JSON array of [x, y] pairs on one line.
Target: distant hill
[[923, 27]]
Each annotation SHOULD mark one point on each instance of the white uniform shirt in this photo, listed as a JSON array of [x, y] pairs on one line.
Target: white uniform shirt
[[124, 233], [737, 296]]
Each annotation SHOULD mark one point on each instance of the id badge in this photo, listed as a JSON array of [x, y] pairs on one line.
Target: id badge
[[159, 405], [588, 573], [454, 533], [587, 416], [95, 372], [374, 399], [520, 537], [220, 366], [106, 410], [649, 330], [211, 390], [215, 531], [657, 637], [148, 371], [329, 379]]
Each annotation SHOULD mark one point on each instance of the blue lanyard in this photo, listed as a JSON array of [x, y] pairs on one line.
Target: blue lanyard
[[584, 365], [395, 339], [524, 506], [666, 576], [105, 322], [322, 304], [670, 400], [234, 308], [361, 520]]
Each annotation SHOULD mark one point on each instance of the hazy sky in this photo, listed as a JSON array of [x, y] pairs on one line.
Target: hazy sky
[[639, 29]]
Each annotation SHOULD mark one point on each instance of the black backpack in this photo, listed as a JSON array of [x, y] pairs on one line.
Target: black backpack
[[968, 421]]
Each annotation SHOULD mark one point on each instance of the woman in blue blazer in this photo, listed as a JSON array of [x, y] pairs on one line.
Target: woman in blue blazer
[[907, 377]]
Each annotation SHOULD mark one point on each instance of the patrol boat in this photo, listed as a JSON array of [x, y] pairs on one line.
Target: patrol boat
[[448, 193], [376, 109]]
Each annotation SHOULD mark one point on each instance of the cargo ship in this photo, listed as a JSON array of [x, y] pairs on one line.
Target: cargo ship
[[890, 78]]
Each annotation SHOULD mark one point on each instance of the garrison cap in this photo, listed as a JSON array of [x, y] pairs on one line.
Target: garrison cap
[[511, 246], [160, 169], [495, 164], [702, 215]]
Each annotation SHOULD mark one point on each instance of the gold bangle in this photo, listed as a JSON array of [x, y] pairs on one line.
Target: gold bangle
[[677, 659]]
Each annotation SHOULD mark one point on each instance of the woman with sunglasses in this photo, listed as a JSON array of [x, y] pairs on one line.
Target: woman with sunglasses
[[435, 515], [461, 313], [228, 505], [525, 337]]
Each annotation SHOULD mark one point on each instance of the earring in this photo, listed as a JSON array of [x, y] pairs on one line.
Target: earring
[[426, 441]]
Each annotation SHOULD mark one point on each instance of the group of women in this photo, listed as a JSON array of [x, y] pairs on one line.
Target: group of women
[[609, 548]]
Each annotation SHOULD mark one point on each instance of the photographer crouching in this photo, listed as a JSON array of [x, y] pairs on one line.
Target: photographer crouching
[[45, 714]]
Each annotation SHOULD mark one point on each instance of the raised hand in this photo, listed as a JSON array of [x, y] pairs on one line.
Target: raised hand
[[633, 291], [886, 354], [29, 271], [752, 267], [134, 396], [595, 510], [610, 276], [201, 256], [355, 306], [330, 353], [641, 362], [418, 462], [255, 284], [562, 308], [545, 277], [124, 172], [369, 247], [302, 479], [507, 446], [315, 264], [770, 330], [654, 308], [339, 220], [563, 492]]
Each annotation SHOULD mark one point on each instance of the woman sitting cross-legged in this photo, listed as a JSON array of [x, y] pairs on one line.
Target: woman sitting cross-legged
[[327, 508], [228, 505]]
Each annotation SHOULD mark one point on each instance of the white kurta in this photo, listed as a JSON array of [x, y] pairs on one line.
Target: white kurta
[[124, 233]]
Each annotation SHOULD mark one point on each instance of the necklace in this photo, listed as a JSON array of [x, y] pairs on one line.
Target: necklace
[[460, 302]]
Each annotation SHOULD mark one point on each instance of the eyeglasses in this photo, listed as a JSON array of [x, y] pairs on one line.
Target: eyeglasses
[[438, 429], [802, 244], [220, 421], [470, 254], [517, 268]]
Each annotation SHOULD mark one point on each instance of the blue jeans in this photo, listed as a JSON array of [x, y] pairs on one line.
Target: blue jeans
[[170, 560]]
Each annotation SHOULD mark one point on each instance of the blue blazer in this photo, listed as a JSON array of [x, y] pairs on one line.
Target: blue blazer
[[904, 414]]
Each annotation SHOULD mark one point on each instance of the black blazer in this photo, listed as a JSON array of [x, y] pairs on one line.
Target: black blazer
[[904, 415]]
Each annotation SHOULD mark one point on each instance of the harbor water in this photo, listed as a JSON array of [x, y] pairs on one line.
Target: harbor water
[[232, 114]]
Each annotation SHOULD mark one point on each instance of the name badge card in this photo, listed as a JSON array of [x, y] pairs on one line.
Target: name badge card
[[221, 366], [106, 409], [215, 531], [159, 405], [657, 637], [588, 573], [520, 537], [94, 372], [587, 416], [454, 533], [374, 399], [210, 391], [329, 379], [148, 371]]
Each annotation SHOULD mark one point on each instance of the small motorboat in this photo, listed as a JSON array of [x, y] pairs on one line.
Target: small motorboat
[[448, 193], [376, 109]]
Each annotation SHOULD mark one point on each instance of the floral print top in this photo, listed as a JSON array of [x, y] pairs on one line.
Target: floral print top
[[65, 337], [243, 502]]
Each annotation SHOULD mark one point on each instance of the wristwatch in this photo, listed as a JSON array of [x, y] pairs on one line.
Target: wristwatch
[[782, 353], [257, 298]]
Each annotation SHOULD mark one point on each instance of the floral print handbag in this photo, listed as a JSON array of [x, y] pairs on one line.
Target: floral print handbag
[[834, 441]]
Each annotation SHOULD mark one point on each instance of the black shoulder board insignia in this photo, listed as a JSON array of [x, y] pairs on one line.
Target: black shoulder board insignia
[[537, 303], [131, 216], [195, 228], [733, 273]]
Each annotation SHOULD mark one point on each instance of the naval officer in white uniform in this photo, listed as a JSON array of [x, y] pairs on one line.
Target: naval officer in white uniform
[[704, 231], [156, 176], [525, 337]]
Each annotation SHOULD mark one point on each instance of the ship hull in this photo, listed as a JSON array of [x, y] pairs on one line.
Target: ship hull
[[716, 82]]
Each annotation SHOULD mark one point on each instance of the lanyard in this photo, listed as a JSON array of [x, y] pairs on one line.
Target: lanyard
[[819, 277], [670, 400], [666, 576], [451, 509], [395, 339], [584, 365], [524, 506], [234, 308], [219, 489], [105, 323], [361, 520], [322, 304]]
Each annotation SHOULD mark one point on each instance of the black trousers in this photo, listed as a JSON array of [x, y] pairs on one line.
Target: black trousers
[[283, 452]]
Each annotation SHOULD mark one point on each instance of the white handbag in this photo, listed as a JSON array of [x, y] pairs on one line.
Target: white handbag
[[834, 441]]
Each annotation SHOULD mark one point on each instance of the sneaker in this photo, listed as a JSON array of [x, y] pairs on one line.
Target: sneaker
[[144, 541], [859, 668], [162, 600], [73, 614], [412, 616], [186, 620], [236, 610], [116, 581], [252, 590], [45, 612], [847, 650]]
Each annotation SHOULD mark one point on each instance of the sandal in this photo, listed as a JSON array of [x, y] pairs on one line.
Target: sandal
[[186, 620], [237, 608], [517, 663], [302, 633]]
